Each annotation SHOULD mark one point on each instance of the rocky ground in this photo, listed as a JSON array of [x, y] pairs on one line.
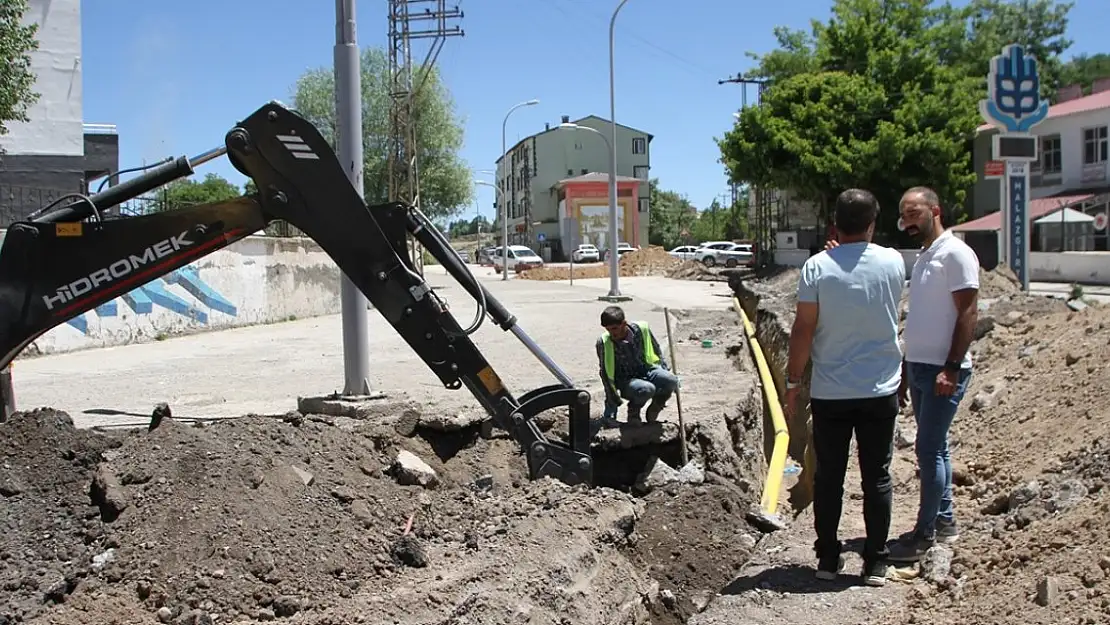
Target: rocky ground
[[414, 519], [1032, 463], [649, 261]]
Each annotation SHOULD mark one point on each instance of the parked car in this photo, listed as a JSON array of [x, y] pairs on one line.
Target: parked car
[[586, 253], [725, 253], [485, 256], [685, 252], [464, 255], [520, 258], [622, 249]]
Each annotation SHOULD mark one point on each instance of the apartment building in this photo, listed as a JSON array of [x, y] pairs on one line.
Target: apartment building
[[1072, 172], [555, 186], [55, 152]]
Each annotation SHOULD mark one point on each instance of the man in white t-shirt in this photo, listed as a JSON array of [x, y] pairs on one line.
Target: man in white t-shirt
[[940, 323]]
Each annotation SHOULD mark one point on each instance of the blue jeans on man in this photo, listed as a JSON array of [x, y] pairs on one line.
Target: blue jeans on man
[[657, 386], [934, 414]]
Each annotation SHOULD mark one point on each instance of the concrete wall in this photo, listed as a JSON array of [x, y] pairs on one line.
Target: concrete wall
[[1081, 267], [255, 280], [56, 118]]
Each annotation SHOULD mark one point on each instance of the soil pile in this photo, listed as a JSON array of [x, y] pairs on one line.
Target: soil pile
[[411, 519], [1032, 447], [50, 531], [649, 261]]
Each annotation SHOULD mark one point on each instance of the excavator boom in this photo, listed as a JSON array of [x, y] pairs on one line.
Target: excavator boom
[[65, 260]]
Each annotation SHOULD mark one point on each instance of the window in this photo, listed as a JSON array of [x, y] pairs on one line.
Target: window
[[1050, 155], [643, 205], [640, 171], [1094, 146], [639, 145]]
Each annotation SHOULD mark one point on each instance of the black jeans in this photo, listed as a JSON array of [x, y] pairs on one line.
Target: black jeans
[[872, 421]]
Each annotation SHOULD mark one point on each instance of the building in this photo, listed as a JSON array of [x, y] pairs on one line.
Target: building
[[1070, 181], [555, 184], [54, 153]]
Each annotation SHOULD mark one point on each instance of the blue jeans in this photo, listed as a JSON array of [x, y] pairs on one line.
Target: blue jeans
[[934, 414], [657, 386]]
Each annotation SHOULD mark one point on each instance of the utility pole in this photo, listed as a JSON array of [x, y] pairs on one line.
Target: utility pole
[[759, 199], [405, 84], [348, 96]]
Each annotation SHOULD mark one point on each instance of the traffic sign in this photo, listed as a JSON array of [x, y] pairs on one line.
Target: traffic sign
[[994, 169], [540, 236], [1100, 222]]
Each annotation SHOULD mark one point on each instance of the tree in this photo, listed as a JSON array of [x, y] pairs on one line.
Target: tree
[[466, 227], [445, 180], [1084, 70], [17, 42], [879, 110], [671, 216], [188, 192]]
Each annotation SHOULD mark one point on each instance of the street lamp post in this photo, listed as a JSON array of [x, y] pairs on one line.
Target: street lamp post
[[614, 262], [500, 195], [504, 208], [614, 280]]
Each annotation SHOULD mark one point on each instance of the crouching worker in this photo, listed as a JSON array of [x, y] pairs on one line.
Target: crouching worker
[[632, 367]]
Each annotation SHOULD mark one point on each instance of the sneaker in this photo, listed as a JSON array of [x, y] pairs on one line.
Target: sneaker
[[874, 574], [909, 548], [947, 532], [829, 568]]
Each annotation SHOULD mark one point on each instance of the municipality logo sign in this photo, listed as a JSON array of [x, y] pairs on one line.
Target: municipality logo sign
[[1013, 103]]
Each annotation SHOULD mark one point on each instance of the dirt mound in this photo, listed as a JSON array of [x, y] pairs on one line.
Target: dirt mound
[[1031, 444], [998, 282], [649, 261], [50, 531]]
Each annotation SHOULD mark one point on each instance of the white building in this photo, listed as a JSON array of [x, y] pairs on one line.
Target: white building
[[53, 153]]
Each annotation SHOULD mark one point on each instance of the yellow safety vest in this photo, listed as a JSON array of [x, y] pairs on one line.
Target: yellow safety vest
[[650, 356]]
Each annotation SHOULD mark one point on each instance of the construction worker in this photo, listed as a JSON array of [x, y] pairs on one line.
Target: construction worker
[[632, 368]]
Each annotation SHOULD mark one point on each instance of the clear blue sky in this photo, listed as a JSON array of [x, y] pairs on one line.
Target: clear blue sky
[[175, 76]]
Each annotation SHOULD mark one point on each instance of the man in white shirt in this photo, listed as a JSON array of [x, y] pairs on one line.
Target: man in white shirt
[[940, 322]]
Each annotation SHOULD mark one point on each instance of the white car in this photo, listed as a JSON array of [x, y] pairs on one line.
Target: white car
[[724, 253], [520, 258], [685, 252], [586, 253], [622, 249]]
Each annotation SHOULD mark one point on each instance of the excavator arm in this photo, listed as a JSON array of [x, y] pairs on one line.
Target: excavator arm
[[67, 259]]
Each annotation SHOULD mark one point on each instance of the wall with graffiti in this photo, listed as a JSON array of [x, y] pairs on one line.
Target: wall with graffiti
[[256, 280]]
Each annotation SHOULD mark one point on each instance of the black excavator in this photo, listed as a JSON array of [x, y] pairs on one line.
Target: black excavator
[[68, 257]]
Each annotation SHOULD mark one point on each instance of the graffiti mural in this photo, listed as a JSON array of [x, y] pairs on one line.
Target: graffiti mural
[[143, 299]]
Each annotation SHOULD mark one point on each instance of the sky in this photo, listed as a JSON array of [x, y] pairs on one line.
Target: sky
[[176, 76]]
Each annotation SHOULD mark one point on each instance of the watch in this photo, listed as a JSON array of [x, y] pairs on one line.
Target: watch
[[792, 384], [952, 365]]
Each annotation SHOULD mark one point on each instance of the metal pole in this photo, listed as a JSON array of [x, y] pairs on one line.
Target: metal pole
[[348, 94], [614, 261], [505, 208]]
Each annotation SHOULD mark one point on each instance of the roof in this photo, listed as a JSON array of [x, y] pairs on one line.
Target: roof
[[1093, 102], [1037, 208], [594, 177], [1067, 215], [577, 121]]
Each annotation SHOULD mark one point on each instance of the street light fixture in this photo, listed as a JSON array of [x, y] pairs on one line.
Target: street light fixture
[[614, 264], [614, 290], [505, 246], [504, 208]]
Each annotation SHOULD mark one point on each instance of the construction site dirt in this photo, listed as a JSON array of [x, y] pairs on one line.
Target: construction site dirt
[[414, 517], [424, 514]]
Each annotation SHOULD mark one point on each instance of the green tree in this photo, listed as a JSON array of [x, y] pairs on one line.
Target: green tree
[[445, 180], [1084, 70], [17, 82], [189, 192], [881, 111], [250, 188], [671, 216], [466, 227]]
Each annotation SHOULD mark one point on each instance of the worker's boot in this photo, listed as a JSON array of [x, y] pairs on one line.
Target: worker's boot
[[634, 418], [653, 411]]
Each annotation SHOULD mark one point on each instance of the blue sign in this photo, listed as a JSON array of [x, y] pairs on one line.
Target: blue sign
[[541, 236], [1014, 103], [1019, 222]]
